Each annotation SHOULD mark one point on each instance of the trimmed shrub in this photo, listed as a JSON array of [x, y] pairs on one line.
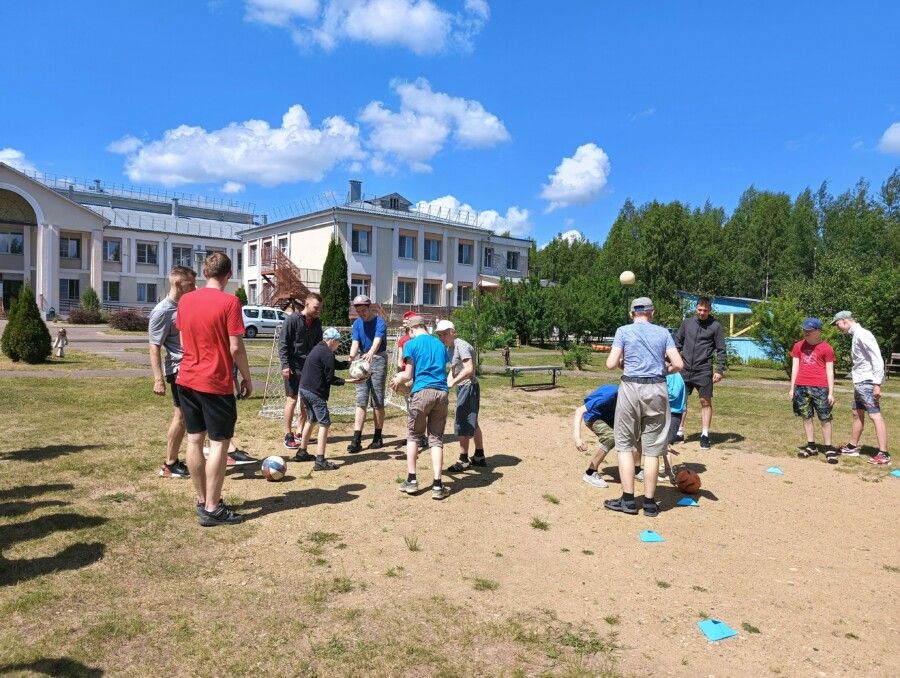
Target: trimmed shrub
[[129, 319], [7, 345], [30, 338], [85, 316], [241, 295], [578, 356], [90, 301]]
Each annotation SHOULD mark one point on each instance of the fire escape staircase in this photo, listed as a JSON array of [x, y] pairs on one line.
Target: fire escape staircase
[[283, 282]]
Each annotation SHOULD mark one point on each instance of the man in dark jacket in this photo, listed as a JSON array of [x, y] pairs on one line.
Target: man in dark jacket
[[300, 333], [316, 381], [697, 339]]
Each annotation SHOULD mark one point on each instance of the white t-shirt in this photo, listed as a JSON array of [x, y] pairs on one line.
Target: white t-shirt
[[462, 350]]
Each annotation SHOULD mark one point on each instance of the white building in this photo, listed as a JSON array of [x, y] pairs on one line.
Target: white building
[[64, 236], [395, 254]]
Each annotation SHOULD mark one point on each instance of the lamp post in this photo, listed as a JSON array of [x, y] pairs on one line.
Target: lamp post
[[626, 279], [449, 288]]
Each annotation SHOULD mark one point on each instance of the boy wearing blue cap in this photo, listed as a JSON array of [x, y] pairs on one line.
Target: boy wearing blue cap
[[812, 387]]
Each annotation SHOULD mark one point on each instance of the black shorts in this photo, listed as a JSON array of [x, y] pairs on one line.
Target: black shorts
[[701, 382], [210, 412], [171, 380], [674, 426], [292, 383]]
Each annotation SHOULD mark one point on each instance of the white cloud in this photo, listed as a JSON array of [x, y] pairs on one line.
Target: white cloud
[[250, 151], [572, 235], [515, 220], [421, 26], [16, 159], [646, 113], [578, 179], [127, 144], [426, 119], [280, 12], [890, 140], [232, 187]]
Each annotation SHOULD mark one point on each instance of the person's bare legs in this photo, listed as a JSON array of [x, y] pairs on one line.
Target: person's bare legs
[[197, 464], [598, 458], [174, 436], [706, 413], [810, 430], [378, 416], [360, 419], [322, 440], [464, 445], [290, 404], [479, 439], [301, 415], [880, 430], [651, 475], [215, 472], [412, 452], [826, 432], [437, 461], [859, 422], [307, 434], [626, 471]]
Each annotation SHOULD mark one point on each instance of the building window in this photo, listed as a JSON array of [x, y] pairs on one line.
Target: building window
[[406, 291], [110, 290], [251, 293], [465, 253], [432, 249], [240, 260], [463, 294], [70, 248], [69, 289], [146, 253], [112, 250], [431, 293], [359, 285], [181, 256], [146, 292], [283, 244], [512, 261], [407, 247], [489, 257], [359, 240], [394, 203], [254, 255], [11, 243]]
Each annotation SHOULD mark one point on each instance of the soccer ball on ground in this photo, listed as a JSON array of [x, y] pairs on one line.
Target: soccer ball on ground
[[274, 468], [360, 369]]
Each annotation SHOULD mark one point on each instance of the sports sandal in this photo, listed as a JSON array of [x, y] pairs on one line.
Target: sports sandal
[[807, 452], [622, 506], [831, 455], [651, 508]]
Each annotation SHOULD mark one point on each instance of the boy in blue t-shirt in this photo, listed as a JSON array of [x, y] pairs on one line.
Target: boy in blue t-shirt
[[597, 413], [369, 343], [425, 367], [677, 406]]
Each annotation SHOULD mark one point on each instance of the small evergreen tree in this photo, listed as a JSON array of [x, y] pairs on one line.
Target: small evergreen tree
[[241, 295], [7, 343], [90, 301], [334, 287], [31, 338]]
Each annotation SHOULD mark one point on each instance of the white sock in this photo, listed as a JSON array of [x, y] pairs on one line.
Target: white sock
[[681, 431], [705, 432]]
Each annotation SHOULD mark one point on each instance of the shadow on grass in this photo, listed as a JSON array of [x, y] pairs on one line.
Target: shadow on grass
[[294, 499], [20, 508], [45, 453], [25, 491], [716, 438], [58, 666]]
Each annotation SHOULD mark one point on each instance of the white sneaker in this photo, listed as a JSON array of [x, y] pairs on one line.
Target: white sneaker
[[594, 480], [640, 476]]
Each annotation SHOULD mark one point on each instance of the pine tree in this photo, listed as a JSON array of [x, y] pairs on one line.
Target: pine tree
[[334, 287], [242, 295], [7, 343], [90, 301], [31, 338]]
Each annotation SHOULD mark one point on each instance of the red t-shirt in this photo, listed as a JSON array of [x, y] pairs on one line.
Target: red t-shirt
[[812, 362], [206, 318]]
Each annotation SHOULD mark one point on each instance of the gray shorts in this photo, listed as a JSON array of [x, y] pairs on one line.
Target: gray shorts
[[427, 414], [316, 408], [642, 416], [371, 391], [468, 402]]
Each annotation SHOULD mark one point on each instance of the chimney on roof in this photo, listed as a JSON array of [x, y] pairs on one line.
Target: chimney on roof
[[263, 219], [97, 186], [174, 207], [355, 190]]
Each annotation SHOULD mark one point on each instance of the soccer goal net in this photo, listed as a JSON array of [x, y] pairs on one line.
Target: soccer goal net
[[343, 398]]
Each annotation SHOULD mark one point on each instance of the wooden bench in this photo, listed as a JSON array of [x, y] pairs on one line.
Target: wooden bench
[[513, 371], [893, 365]]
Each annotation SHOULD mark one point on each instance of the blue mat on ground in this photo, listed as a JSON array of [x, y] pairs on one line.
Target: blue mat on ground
[[650, 536], [896, 472], [716, 630], [687, 501], [775, 471]]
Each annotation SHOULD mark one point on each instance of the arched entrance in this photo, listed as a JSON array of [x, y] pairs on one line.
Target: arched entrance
[[16, 217]]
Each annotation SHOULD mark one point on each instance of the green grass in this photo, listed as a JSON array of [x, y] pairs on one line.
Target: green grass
[[663, 584], [892, 568], [700, 589], [323, 537], [480, 584], [851, 636], [612, 619], [587, 552], [412, 543], [74, 360], [749, 628], [539, 524], [549, 498]]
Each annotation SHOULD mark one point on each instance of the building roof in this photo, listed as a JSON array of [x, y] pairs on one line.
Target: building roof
[[735, 305], [138, 220]]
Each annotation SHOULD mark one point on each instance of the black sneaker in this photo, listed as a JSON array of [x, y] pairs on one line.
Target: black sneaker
[[622, 506], [479, 461], [354, 446], [303, 455], [174, 470], [377, 443], [324, 465], [651, 508], [459, 466], [704, 443], [679, 438], [290, 442], [241, 458], [221, 516]]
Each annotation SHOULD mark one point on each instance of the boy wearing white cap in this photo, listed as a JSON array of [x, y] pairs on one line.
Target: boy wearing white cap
[[468, 396]]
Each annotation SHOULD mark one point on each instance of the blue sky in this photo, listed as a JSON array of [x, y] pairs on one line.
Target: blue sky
[[545, 116]]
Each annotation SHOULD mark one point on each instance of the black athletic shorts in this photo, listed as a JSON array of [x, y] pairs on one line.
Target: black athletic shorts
[[171, 379], [702, 382], [216, 414], [292, 383]]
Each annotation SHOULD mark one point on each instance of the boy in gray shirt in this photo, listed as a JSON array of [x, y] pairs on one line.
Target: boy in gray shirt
[[642, 408], [468, 396]]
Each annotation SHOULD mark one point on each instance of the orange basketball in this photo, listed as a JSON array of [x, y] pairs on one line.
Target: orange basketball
[[688, 482]]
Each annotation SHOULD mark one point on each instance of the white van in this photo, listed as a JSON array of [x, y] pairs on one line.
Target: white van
[[261, 320]]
